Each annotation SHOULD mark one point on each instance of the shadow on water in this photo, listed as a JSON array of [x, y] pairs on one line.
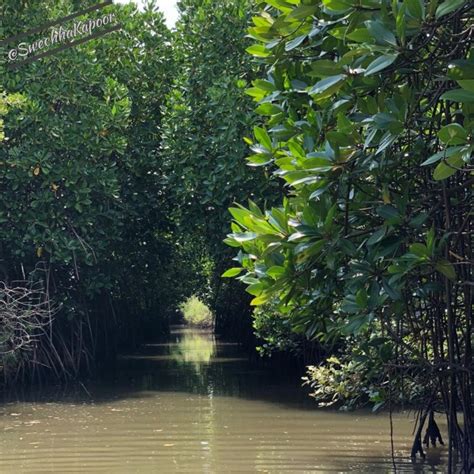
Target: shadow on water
[[196, 362], [191, 361]]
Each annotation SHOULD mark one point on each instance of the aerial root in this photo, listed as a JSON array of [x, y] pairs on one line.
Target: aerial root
[[432, 432]]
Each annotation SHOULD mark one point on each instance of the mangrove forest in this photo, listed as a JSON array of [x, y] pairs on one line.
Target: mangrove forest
[[236, 236]]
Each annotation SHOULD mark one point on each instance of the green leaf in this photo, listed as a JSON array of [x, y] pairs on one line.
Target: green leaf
[[391, 291], [360, 35], [362, 298], [324, 68], [449, 167], [281, 5], [308, 250], [261, 159], [388, 212], [260, 300], [401, 24], [268, 109], [266, 86], [377, 236], [294, 43], [381, 34], [442, 154], [420, 250], [467, 84], [258, 50], [336, 5], [242, 216], [380, 63], [325, 84], [233, 272], [416, 8], [276, 272], [263, 138], [461, 69], [446, 268], [459, 95], [443, 171], [244, 236], [300, 13], [453, 134], [448, 7], [356, 324], [231, 242], [256, 288]]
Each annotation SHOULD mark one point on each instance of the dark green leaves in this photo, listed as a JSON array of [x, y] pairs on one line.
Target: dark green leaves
[[459, 95], [381, 33], [294, 43], [337, 5], [380, 64], [448, 6], [358, 110], [303, 11], [327, 85], [416, 8], [446, 268]]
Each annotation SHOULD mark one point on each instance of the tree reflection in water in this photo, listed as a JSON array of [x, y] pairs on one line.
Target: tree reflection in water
[[193, 347]]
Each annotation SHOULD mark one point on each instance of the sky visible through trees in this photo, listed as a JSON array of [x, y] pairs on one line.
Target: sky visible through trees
[[168, 7]]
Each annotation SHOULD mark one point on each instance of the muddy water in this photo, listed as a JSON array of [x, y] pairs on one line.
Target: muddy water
[[195, 406]]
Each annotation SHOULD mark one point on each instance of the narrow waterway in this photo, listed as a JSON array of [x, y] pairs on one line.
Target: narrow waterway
[[194, 405]]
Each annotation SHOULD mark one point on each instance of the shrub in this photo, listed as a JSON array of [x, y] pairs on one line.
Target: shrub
[[196, 313]]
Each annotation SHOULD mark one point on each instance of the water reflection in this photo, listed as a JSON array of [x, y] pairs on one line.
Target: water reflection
[[197, 405], [194, 361]]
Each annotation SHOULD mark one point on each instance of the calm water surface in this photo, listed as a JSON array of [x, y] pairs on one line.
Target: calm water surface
[[194, 405]]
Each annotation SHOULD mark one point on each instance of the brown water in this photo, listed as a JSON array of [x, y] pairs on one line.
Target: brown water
[[196, 406]]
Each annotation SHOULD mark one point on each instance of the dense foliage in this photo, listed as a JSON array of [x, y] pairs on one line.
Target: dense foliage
[[117, 175], [368, 118], [75, 181], [121, 156], [206, 119], [196, 313]]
